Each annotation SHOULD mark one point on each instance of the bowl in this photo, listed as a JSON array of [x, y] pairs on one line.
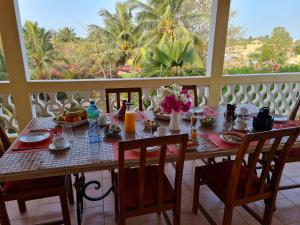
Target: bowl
[[112, 131], [207, 121]]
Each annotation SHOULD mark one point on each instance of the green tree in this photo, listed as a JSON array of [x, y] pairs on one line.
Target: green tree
[[297, 50], [274, 49], [66, 34], [117, 33], [3, 67], [40, 52], [174, 58]]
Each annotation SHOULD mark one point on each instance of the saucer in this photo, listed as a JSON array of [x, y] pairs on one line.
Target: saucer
[[104, 124], [157, 135], [67, 145], [239, 128]]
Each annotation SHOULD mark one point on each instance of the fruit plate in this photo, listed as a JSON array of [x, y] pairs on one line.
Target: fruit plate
[[71, 124]]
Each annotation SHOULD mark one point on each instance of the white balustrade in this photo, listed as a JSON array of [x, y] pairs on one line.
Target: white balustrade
[[280, 97]]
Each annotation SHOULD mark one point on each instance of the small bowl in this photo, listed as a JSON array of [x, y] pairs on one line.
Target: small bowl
[[112, 131], [207, 121]]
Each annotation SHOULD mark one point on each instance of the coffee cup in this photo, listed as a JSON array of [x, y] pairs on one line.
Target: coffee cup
[[161, 131], [240, 124], [59, 141]]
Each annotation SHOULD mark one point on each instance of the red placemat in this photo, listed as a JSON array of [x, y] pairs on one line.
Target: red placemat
[[210, 112], [19, 146], [286, 124], [134, 155], [219, 142]]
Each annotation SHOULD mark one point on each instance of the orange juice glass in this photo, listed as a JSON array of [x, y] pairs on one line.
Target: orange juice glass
[[129, 122]]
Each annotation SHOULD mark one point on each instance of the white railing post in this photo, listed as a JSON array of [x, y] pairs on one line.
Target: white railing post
[[10, 31], [216, 49]]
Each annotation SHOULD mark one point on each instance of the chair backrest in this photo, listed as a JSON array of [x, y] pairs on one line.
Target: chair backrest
[[5, 143], [142, 144], [295, 109], [118, 92], [278, 152], [192, 88]]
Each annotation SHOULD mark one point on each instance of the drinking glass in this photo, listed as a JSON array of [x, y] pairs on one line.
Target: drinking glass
[[228, 124], [67, 133]]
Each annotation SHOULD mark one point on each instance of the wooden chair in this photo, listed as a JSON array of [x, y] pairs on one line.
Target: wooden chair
[[146, 189], [238, 185], [294, 153], [118, 92], [192, 88], [33, 189]]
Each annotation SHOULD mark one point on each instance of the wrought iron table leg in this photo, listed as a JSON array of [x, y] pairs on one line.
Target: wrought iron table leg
[[80, 187]]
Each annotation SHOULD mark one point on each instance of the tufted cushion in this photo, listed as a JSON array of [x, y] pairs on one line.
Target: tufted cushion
[[217, 177], [33, 184], [131, 192]]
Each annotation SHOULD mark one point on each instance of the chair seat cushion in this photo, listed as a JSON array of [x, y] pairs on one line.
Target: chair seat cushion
[[33, 184], [294, 152], [217, 177], [131, 186]]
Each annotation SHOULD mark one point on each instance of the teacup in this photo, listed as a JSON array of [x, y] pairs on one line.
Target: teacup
[[103, 119], [244, 111], [161, 131], [189, 114], [59, 141], [240, 124]]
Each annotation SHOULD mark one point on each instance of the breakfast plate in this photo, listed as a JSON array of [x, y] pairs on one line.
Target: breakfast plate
[[280, 118], [155, 134], [33, 137], [231, 137]]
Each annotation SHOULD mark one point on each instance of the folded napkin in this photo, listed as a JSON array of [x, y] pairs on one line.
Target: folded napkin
[[38, 146]]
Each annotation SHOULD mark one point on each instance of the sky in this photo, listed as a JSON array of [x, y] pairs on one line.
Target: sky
[[258, 17]]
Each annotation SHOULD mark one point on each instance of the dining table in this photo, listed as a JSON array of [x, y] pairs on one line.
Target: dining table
[[21, 163]]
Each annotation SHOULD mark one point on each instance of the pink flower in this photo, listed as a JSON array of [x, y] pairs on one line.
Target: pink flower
[[176, 103]]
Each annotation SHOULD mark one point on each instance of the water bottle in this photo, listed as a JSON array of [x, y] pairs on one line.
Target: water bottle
[[93, 115]]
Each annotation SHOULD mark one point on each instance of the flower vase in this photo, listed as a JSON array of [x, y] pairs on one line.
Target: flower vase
[[174, 121]]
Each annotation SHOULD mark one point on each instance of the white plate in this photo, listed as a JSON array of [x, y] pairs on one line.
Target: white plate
[[33, 137], [279, 118], [224, 135], [197, 110], [162, 116], [66, 146], [149, 149], [73, 124], [239, 129], [156, 134]]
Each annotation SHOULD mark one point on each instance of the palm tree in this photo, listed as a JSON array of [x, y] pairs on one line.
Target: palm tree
[[66, 34], [40, 52], [174, 58], [3, 68], [161, 20], [117, 32]]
